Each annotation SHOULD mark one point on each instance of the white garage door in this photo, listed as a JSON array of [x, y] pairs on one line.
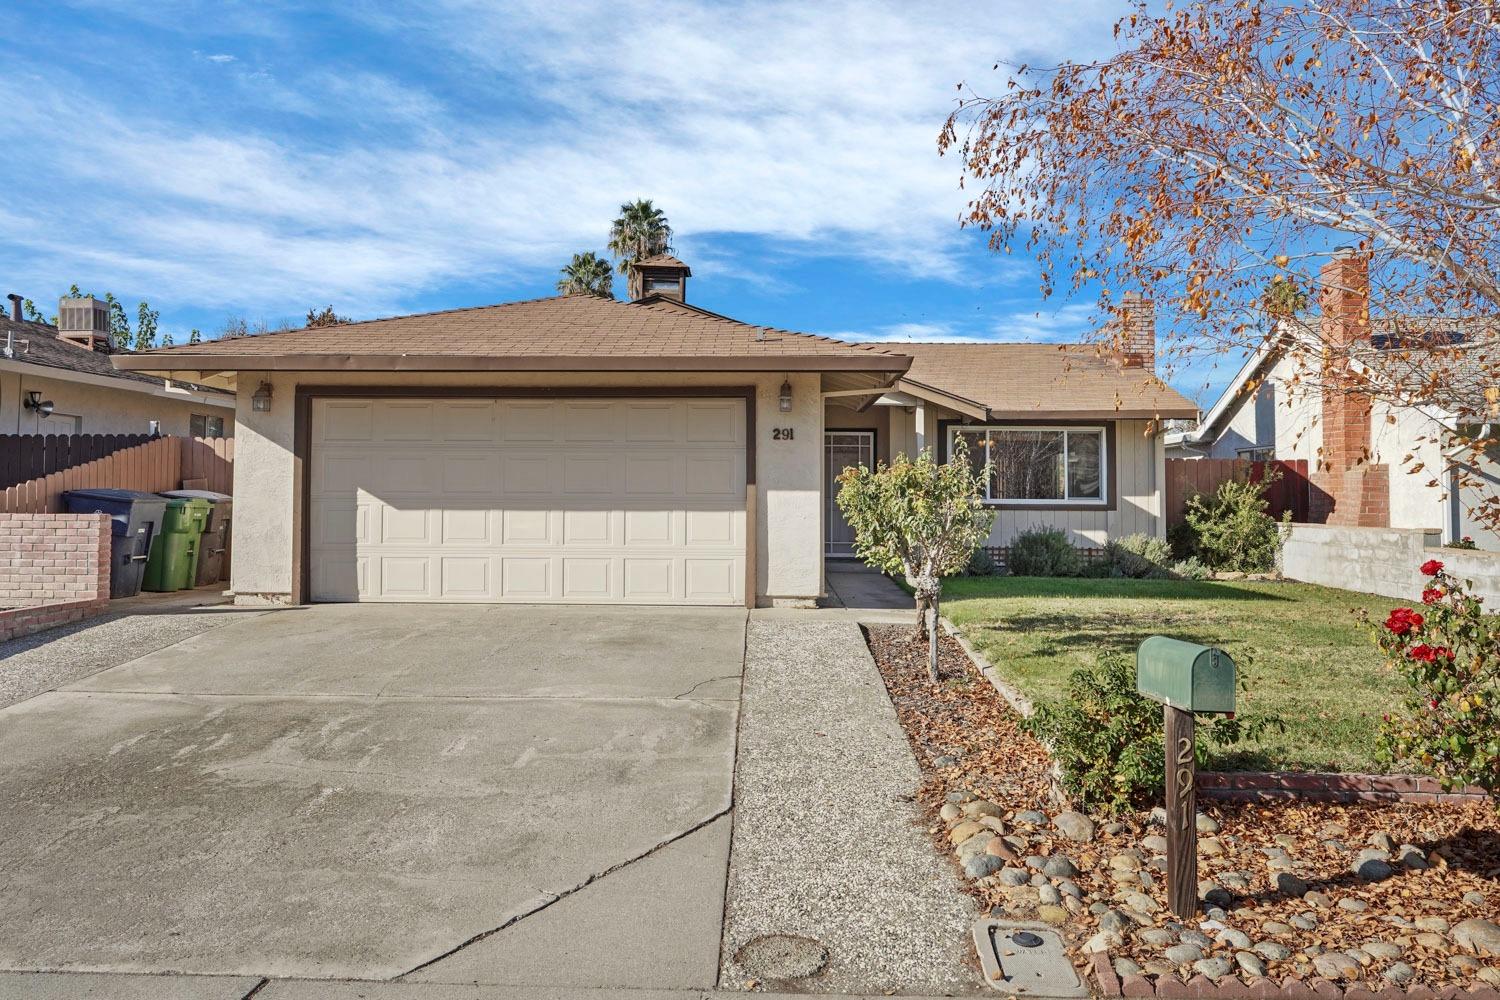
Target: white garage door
[[587, 501]]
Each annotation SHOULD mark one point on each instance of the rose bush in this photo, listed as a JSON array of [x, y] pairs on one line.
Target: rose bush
[[1449, 656]]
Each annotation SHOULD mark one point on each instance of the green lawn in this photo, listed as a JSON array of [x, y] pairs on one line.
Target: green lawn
[[1306, 657]]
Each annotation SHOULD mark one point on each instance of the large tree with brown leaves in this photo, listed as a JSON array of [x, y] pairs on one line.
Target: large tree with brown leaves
[[1228, 146]]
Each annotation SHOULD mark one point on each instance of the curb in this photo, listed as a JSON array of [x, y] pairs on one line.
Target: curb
[[1018, 701], [1200, 987]]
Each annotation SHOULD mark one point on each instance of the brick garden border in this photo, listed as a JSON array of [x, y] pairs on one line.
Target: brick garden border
[[1110, 984]]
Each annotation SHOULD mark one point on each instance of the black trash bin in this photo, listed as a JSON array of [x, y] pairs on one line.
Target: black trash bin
[[213, 549], [135, 519]]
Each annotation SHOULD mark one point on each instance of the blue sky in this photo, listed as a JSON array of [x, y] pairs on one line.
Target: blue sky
[[258, 159]]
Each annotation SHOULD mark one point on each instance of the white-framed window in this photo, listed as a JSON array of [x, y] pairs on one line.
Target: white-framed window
[[1039, 465]]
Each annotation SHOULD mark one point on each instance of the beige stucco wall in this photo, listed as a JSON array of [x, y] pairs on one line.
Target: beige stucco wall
[[1139, 457], [789, 511], [103, 409]]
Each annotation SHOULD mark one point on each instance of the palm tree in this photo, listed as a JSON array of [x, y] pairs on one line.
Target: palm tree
[[641, 231], [587, 274]]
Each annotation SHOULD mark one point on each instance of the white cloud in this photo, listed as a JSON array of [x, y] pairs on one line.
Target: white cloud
[[810, 126], [1068, 324], [220, 57]]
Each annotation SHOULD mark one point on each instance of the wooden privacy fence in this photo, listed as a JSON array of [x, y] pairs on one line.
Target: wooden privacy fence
[[208, 464], [159, 464], [1292, 490], [32, 456]]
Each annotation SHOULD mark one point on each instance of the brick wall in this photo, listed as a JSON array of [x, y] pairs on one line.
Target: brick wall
[[54, 569]]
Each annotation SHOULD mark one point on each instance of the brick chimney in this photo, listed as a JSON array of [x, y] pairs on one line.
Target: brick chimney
[[1137, 331], [1357, 492]]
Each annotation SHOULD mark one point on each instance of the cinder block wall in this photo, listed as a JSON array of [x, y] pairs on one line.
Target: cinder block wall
[[1383, 561], [54, 569]]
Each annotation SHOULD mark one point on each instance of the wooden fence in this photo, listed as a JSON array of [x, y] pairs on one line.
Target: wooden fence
[[163, 463], [1292, 491], [32, 456], [208, 464]]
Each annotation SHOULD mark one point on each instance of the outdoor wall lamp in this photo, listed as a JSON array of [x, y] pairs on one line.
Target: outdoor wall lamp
[[786, 396], [1492, 398], [34, 401], [261, 401]]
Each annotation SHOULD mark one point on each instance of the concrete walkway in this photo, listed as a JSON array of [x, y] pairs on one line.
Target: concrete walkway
[[858, 587], [828, 844]]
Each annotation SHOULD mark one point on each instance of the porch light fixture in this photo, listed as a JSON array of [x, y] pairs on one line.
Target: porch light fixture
[[786, 396], [1492, 399], [261, 401], [34, 401]]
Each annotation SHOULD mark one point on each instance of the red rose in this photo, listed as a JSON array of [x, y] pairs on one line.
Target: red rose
[[1430, 654], [1442, 653], [1431, 567], [1402, 621], [1432, 595]]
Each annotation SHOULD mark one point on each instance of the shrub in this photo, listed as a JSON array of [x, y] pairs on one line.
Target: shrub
[[1233, 530], [1466, 542], [1108, 741], [1044, 552], [981, 563], [1191, 569], [1183, 538], [1448, 653], [1139, 555]]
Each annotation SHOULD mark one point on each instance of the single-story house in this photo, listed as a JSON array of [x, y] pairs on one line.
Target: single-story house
[[1373, 463], [586, 450], [60, 381]]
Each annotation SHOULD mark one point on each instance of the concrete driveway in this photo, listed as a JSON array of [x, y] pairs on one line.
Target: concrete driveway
[[436, 793]]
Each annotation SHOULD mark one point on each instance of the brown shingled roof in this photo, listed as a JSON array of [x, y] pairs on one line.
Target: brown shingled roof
[[571, 332], [663, 260], [1019, 381]]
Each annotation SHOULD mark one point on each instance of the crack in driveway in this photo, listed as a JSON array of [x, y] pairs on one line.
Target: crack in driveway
[[565, 893]]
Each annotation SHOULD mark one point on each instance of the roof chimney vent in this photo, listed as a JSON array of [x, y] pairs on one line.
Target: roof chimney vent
[[662, 275], [15, 307], [84, 322]]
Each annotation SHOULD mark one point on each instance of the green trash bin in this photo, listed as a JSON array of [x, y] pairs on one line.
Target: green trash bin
[[174, 557]]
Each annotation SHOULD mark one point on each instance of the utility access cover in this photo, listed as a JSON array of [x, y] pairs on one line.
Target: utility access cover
[[1025, 959]]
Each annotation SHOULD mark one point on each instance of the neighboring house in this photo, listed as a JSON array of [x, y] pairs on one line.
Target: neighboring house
[[61, 381], [586, 450], [1376, 464]]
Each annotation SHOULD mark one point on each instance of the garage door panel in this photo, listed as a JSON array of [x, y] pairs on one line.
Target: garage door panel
[[648, 423], [529, 475], [405, 576], [587, 578], [405, 527], [465, 421], [464, 577], [648, 579], [528, 422], [526, 578], [588, 528], [400, 421], [574, 501], [465, 527], [589, 423]]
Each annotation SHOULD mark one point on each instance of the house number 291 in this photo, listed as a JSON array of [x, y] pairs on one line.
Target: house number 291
[[782, 433]]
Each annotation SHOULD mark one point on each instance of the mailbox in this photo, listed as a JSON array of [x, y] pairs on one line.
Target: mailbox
[[1185, 675]]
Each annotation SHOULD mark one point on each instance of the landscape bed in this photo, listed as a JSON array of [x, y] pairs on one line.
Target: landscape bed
[[1299, 896], [1307, 657]]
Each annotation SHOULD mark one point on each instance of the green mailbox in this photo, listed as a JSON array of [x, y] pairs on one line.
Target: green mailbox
[[1185, 675]]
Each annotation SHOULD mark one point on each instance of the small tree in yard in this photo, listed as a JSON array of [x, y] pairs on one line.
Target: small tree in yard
[[922, 519], [1449, 655]]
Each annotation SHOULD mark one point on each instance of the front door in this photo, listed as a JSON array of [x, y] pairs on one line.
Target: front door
[[842, 449]]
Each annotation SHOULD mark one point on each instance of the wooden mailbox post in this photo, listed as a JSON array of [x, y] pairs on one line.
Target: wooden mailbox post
[[1186, 678]]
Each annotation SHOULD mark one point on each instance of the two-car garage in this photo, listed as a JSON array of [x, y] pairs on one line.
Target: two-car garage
[[633, 500]]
